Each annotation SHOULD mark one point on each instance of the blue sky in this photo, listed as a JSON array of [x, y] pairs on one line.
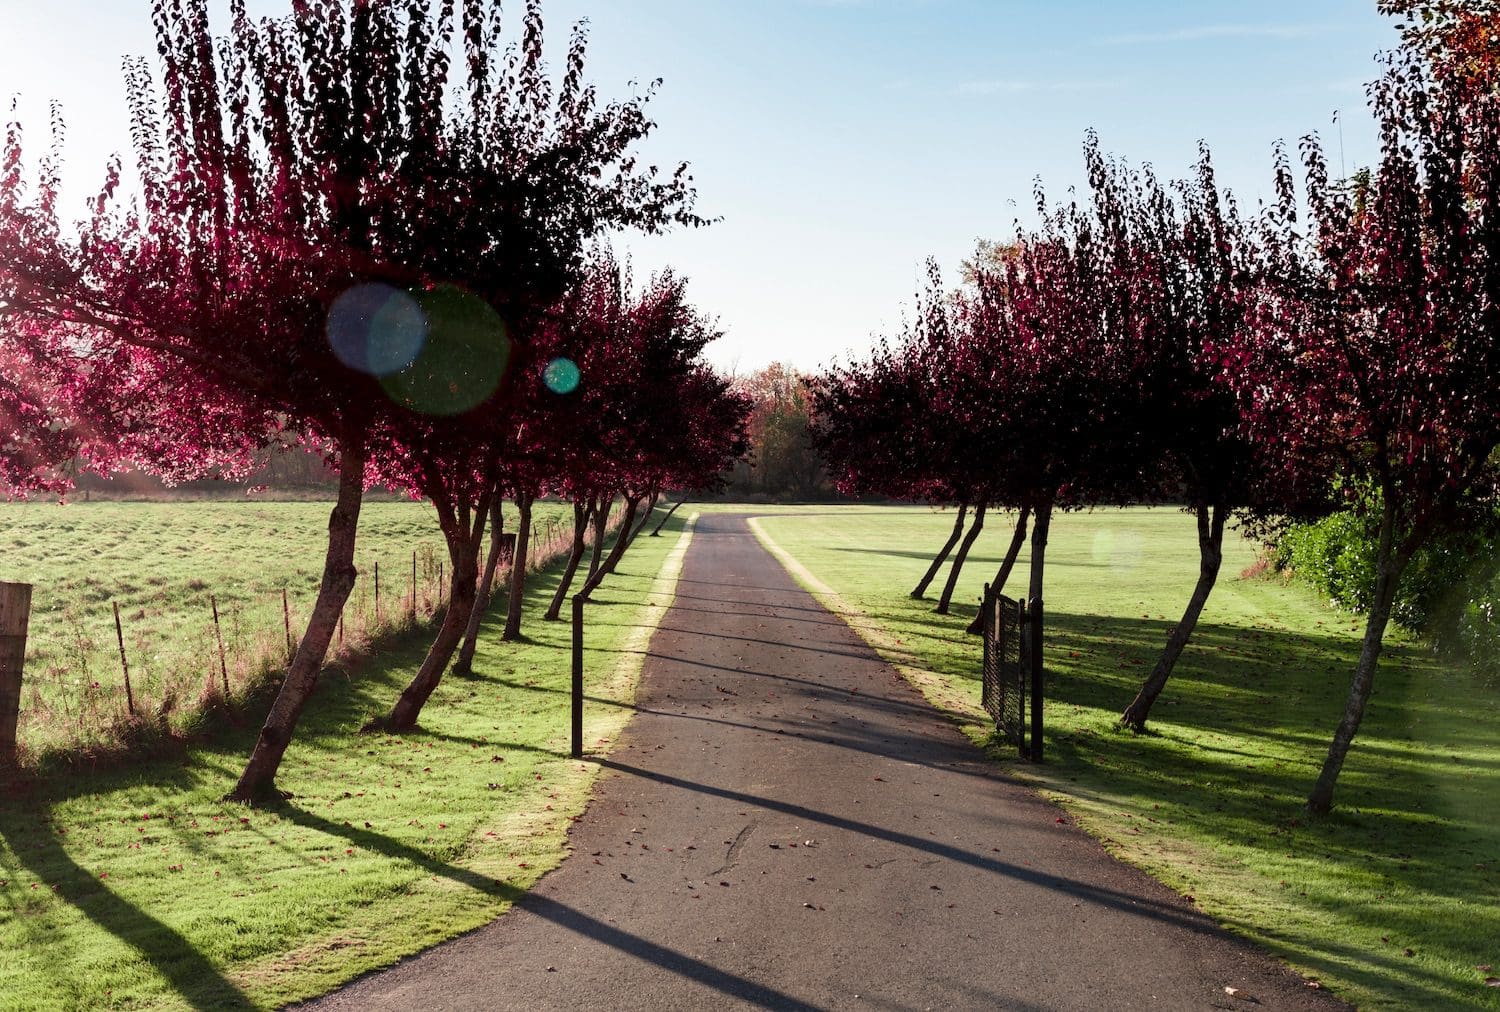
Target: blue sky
[[844, 141]]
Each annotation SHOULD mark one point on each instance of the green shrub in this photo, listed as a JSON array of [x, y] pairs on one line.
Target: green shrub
[[1450, 594]]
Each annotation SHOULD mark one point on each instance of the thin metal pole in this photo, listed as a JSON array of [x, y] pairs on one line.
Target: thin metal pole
[[577, 676], [124, 664], [1036, 680], [219, 635], [413, 585], [377, 591]]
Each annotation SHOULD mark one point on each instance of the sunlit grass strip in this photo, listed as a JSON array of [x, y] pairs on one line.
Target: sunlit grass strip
[[162, 562], [139, 888], [1394, 902]]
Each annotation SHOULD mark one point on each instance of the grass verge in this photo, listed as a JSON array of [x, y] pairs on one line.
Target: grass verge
[[1393, 902], [161, 563], [138, 888]]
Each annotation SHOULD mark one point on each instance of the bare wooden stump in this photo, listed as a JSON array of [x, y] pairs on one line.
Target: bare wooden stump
[[15, 614]]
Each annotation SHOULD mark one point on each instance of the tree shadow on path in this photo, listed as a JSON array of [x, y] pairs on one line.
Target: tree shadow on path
[[561, 914]]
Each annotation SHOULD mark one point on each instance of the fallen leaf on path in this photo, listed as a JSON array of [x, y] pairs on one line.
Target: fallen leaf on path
[[1241, 994]]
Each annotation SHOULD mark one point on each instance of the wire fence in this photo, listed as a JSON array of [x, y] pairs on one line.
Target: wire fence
[[97, 667]]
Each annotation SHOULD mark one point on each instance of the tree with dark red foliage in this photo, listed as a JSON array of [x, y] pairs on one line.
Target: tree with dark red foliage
[[304, 183], [1375, 336], [1190, 267], [903, 424]]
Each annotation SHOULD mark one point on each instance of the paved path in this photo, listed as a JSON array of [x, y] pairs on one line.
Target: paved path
[[787, 824]]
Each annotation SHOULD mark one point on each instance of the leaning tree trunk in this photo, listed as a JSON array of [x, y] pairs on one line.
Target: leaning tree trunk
[[656, 531], [601, 529], [623, 539], [958, 560], [1210, 557], [608, 566], [581, 512], [942, 557], [645, 517], [518, 568], [1017, 542], [465, 663], [258, 781], [1390, 565], [464, 541]]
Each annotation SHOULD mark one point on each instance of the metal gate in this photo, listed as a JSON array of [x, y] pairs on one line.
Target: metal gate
[[1012, 674]]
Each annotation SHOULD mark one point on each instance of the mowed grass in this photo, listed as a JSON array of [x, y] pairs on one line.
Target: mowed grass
[[161, 563], [139, 888], [1393, 902]]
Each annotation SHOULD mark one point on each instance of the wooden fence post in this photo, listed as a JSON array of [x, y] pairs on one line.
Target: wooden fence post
[[124, 664], [377, 591], [414, 585], [15, 614], [219, 634], [286, 618]]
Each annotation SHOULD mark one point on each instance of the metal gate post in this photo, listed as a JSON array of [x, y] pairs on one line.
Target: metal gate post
[[1035, 614], [577, 676], [985, 607]]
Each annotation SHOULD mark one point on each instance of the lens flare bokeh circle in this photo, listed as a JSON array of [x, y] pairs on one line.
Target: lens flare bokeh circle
[[376, 329], [463, 360], [562, 376]]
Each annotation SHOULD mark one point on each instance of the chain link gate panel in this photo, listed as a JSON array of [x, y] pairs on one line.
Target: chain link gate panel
[[1005, 667]]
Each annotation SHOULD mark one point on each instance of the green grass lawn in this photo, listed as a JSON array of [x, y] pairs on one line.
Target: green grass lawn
[[136, 887], [161, 562], [1394, 902]]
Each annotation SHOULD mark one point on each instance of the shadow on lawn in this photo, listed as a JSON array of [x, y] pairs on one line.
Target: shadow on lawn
[[1236, 741], [31, 837], [187, 971]]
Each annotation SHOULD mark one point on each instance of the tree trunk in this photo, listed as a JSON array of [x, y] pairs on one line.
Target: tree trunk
[[258, 781], [601, 528], [1390, 565], [645, 517], [465, 663], [656, 531], [463, 551], [518, 568], [1041, 526], [958, 560], [1210, 557], [937, 563], [624, 539], [631, 505], [581, 511], [1017, 542]]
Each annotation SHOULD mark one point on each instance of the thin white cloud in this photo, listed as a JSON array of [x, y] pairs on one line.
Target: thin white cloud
[[1205, 32]]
